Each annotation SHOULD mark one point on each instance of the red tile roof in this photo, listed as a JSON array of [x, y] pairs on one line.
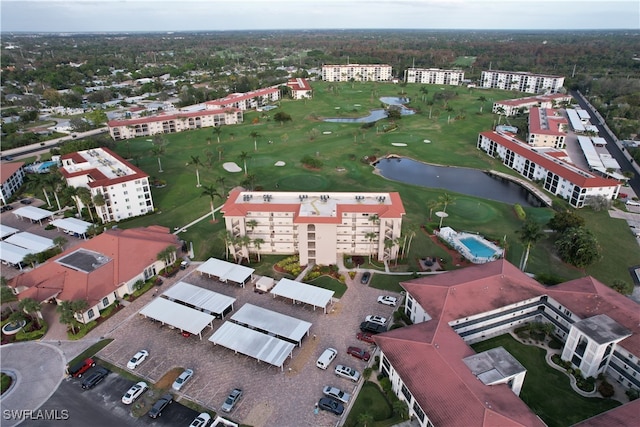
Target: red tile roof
[[172, 116], [625, 415], [583, 179], [299, 84], [431, 352], [99, 179], [236, 97], [548, 126], [235, 207], [52, 278], [8, 169]]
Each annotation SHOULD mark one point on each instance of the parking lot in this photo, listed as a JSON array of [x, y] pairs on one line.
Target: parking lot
[[271, 396]]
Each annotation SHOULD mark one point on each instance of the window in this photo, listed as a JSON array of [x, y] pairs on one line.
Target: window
[[105, 301], [90, 314], [406, 393]]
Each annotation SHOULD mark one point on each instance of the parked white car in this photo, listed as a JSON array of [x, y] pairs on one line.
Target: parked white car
[[336, 393], [376, 319], [134, 392], [137, 359], [347, 372], [183, 378], [388, 300], [201, 420]]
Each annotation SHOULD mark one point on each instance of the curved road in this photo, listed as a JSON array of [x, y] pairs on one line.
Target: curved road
[[45, 146]]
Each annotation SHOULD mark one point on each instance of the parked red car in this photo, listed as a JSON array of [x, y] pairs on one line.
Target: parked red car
[[81, 367], [366, 337], [359, 353]]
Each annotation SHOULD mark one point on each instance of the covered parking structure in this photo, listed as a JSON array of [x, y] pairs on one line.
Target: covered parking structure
[[32, 213], [178, 316], [12, 254], [200, 299], [225, 271], [30, 241], [272, 323], [262, 347], [6, 231], [302, 293], [72, 226]]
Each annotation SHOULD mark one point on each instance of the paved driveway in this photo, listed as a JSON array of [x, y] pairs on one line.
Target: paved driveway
[[271, 396]]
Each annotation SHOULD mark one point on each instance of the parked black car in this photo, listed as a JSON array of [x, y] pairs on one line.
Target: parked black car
[[6, 208], [25, 201], [372, 328], [331, 405], [365, 277], [158, 407], [92, 380]]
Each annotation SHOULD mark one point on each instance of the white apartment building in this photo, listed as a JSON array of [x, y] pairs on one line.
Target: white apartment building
[[512, 107], [300, 88], [124, 187], [433, 76], [11, 178], [547, 128], [356, 72], [597, 326], [521, 81], [320, 227], [246, 101], [172, 123], [557, 177]]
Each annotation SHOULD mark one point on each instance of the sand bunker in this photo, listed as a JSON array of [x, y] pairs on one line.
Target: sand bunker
[[398, 144], [426, 141], [231, 167], [279, 163], [326, 132]]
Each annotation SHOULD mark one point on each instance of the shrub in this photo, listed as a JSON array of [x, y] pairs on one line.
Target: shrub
[[632, 394], [311, 162], [605, 389], [366, 373], [520, 213], [385, 383]]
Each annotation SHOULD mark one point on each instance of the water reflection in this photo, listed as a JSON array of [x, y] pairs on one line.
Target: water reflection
[[378, 114], [461, 180]]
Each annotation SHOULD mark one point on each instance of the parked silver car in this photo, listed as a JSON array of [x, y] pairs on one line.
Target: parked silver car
[[231, 400], [183, 378]]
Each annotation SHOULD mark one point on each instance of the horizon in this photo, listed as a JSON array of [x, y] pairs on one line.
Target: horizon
[[161, 16]]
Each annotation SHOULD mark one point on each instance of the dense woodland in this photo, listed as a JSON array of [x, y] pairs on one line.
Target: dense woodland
[[605, 65]]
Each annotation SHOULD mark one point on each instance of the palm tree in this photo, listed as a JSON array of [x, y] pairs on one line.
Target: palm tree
[[210, 191], [67, 316], [53, 179], [39, 180], [60, 242], [249, 181], [79, 307], [220, 180], [217, 130], [244, 156], [195, 160], [445, 200], [255, 135], [98, 201], [371, 237], [257, 243], [398, 242], [244, 243], [252, 224], [530, 233], [366, 419], [30, 259], [72, 193], [432, 204], [228, 241], [84, 195], [32, 308], [388, 244], [220, 151], [158, 151]]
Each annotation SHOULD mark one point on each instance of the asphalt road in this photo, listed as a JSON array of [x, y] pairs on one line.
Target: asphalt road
[[46, 146], [102, 407]]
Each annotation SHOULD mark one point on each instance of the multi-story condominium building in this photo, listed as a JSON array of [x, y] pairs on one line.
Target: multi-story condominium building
[[512, 107], [124, 187], [547, 128], [557, 177], [99, 270], [521, 81], [320, 227], [246, 101], [356, 72], [445, 383], [175, 122], [433, 76], [300, 88], [11, 178]]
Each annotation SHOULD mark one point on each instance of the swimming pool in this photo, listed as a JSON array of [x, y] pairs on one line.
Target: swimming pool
[[477, 247], [44, 166]]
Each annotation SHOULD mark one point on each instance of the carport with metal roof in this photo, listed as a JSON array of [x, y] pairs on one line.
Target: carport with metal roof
[[30, 241], [200, 299], [178, 316], [301, 292], [13, 254], [252, 343], [72, 226], [226, 271], [270, 322], [6, 231], [33, 213]]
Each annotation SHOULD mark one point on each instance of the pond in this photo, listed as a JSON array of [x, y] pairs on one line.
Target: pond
[[472, 182], [375, 115]]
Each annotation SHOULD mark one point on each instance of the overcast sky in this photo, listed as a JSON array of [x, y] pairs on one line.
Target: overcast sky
[[195, 15]]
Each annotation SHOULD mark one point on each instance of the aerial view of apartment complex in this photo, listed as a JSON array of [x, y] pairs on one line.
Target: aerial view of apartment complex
[[547, 128], [521, 81], [319, 226], [124, 187], [511, 107], [433, 76], [356, 72]]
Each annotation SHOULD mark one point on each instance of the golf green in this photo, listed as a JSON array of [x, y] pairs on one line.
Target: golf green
[[301, 182]]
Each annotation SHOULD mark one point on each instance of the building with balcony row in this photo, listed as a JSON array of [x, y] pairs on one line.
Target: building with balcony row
[[124, 188], [357, 72], [521, 81], [547, 128], [446, 383], [11, 178], [320, 227], [433, 76], [512, 107]]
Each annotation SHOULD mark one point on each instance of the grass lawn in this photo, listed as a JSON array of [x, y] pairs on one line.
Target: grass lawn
[[91, 351], [453, 134], [330, 283], [5, 382], [371, 400], [547, 391]]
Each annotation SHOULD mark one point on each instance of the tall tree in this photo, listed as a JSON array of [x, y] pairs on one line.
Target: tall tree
[[220, 180], [371, 236], [32, 308], [252, 224], [432, 204], [244, 156], [98, 202], [54, 181], [578, 246], [562, 221], [530, 233], [195, 161], [67, 315], [211, 192], [445, 200], [84, 195], [217, 131], [158, 151], [255, 135], [257, 243], [244, 243], [60, 241]]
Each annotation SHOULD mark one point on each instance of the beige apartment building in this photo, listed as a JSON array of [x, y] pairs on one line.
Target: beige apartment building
[[357, 72], [320, 227]]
